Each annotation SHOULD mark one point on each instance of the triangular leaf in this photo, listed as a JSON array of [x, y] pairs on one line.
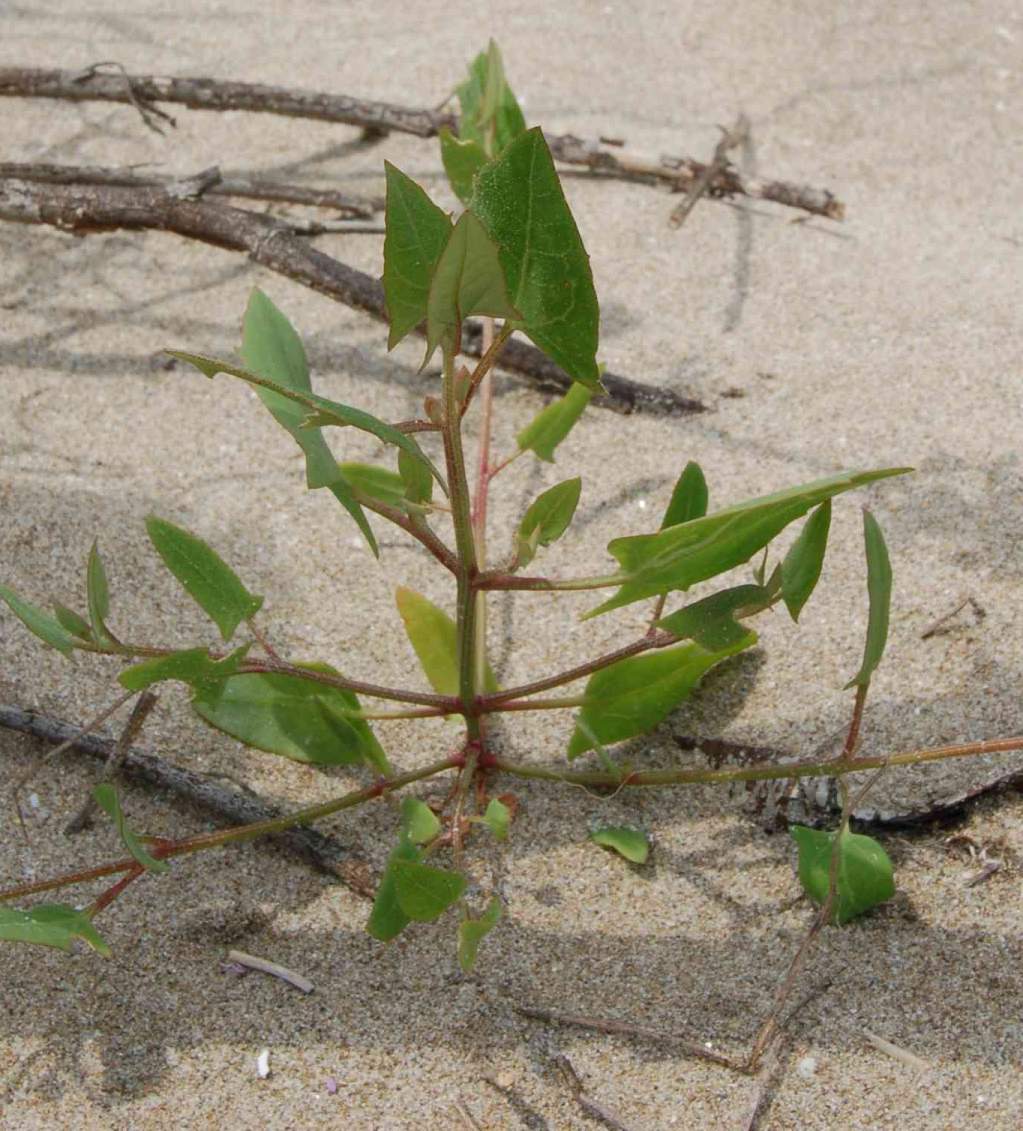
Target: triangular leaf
[[51, 924], [471, 932], [205, 576], [418, 821], [434, 637], [801, 569], [39, 623], [711, 622], [107, 799], [425, 893], [554, 423], [879, 589], [548, 517], [490, 115], [519, 199], [387, 920], [462, 161], [689, 498], [632, 844], [416, 233], [864, 876], [497, 818]]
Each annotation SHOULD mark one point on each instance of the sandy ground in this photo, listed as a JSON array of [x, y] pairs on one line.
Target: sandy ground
[[886, 340]]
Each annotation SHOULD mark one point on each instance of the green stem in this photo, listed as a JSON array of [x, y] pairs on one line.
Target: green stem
[[498, 579]]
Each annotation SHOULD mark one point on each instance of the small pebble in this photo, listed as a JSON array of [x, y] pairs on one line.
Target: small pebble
[[263, 1064], [807, 1067]]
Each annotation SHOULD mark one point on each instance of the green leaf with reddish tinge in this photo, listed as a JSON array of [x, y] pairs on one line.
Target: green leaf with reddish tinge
[[471, 932], [632, 844], [416, 232], [462, 160], [879, 590], [51, 924], [107, 799], [40, 624], [711, 622], [204, 574], [387, 920], [418, 821], [864, 876], [425, 893], [434, 638], [547, 518], [680, 556], [801, 568], [490, 113], [632, 696], [468, 279], [689, 497], [546, 431], [519, 200]]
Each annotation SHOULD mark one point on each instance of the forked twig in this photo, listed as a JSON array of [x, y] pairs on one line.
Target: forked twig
[[718, 165]]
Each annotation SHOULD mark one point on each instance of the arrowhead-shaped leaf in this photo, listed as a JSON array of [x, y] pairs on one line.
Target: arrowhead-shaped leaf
[[51, 924], [471, 932], [801, 569], [497, 818], [424, 892], [689, 498], [547, 518], [554, 423], [711, 622], [206, 577], [387, 920], [519, 200], [468, 279], [462, 161], [864, 876], [879, 590], [41, 624], [193, 666], [679, 556], [490, 113], [107, 799], [418, 821], [632, 696], [632, 844], [417, 231], [434, 637]]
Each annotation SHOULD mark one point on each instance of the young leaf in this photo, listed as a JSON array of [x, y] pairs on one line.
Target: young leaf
[[425, 893], [491, 115], [468, 279], [41, 624], [51, 924], [801, 569], [387, 920], [193, 666], [417, 480], [689, 498], [864, 877], [497, 818], [418, 821], [376, 482], [294, 717], [554, 423], [547, 518], [471, 932], [434, 637], [99, 596], [632, 696], [205, 576], [679, 556], [462, 160], [74, 622], [107, 799], [519, 200], [879, 590], [416, 233], [711, 622], [633, 844]]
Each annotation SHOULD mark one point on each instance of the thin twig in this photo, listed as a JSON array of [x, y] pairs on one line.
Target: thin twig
[[896, 1052], [83, 209], [718, 165], [265, 966], [589, 1105]]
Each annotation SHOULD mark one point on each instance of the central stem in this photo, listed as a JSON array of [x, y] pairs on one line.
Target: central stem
[[465, 546]]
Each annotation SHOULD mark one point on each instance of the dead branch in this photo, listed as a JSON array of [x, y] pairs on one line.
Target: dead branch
[[83, 209], [718, 165], [679, 173], [233, 807]]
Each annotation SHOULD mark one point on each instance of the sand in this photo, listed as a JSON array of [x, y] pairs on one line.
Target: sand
[[885, 340]]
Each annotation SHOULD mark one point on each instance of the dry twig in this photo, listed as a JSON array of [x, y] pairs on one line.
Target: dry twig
[[589, 1105], [265, 966], [717, 167]]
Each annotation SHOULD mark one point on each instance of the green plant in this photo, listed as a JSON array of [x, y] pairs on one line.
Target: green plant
[[516, 255]]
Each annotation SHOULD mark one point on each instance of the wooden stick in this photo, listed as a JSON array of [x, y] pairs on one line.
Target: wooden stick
[[265, 966]]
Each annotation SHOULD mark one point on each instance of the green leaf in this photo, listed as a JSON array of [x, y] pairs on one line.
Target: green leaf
[[387, 920], [462, 160], [39, 623], [468, 279], [99, 596], [680, 556], [417, 231], [193, 666], [801, 569], [497, 818], [291, 716], [864, 876], [689, 498], [711, 622], [205, 576], [417, 480], [76, 624], [879, 590], [519, 200], [471, 932], [632, 696], [547, 518], [633, 844], [424, 892], [379, 483], [490, 113], [434, 638], [551, 426], [418, 821], [107, 799], [51, 924]]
